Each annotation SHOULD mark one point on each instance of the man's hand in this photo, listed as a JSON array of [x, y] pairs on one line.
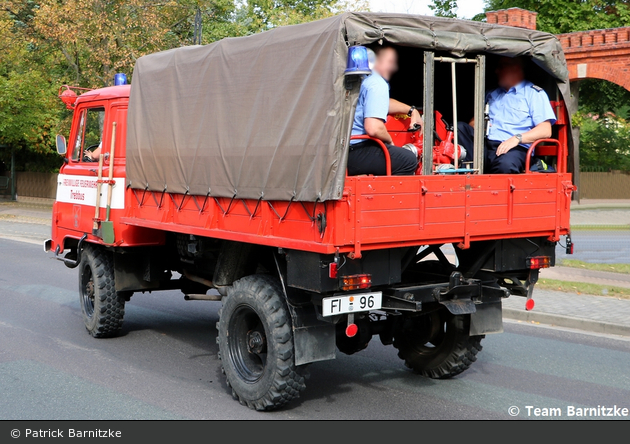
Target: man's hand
[[507, 145], [416, 118]]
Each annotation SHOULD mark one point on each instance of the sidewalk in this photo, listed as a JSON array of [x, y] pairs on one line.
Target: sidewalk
[[593, 204], [592, 212], [598, 314], [27, 210]]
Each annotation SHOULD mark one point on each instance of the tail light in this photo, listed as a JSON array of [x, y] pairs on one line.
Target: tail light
[[332, 270], [356, 282], [537, 262]]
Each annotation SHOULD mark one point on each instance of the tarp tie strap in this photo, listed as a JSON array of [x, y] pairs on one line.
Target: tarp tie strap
[[255, 208], [230, 205], [285, 213], [219, 205], [181, 205], [203, 206]]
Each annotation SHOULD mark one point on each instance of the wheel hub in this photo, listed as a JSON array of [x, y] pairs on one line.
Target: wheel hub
[[255, 342], [89, 290], [87, 293]]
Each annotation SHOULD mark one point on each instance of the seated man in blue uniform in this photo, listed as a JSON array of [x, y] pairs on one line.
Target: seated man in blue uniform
[[520, 114], [366, 156]]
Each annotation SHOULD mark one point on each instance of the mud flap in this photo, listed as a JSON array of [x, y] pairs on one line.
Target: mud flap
[[488, 318], [314, 340]]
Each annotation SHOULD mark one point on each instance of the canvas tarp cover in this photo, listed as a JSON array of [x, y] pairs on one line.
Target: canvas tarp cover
[[268, 115]]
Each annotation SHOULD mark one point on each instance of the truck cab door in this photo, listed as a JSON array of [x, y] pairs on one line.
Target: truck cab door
[[77, 181]]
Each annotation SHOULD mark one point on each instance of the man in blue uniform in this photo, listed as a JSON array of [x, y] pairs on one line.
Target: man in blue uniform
[[366, 156], [520, 114]]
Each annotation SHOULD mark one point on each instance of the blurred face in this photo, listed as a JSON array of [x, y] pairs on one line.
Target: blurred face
[[386, 63], [510, 72]]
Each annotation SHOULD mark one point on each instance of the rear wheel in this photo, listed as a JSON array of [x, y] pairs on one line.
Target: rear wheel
[[438, 345], [102, 306], [256, 344]]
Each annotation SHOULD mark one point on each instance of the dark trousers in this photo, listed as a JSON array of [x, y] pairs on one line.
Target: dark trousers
[[466, 138], [368, 158], [512, 162]]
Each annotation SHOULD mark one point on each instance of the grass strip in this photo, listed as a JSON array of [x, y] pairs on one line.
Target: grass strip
[[584, 288], [614, 268], [600, 227]]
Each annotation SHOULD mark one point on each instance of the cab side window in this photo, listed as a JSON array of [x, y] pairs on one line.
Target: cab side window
[[90, 132]]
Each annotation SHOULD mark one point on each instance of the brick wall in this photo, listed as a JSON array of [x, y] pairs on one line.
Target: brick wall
[[516, 17], [599, 54]]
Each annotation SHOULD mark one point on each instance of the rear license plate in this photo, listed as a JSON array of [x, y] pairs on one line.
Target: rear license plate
[[352, 303]]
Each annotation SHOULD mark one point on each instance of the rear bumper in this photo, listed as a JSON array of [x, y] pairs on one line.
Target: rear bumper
[[459, 296]]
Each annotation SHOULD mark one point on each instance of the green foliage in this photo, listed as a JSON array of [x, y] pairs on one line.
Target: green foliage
[[600, 97], [27, 110], [604, 141], [444, 8]]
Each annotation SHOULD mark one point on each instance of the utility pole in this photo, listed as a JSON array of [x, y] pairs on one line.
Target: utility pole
[[13, 184], [13, 190], [198, 28]]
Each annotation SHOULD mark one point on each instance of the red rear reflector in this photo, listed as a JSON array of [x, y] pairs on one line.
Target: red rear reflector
[[538, 262], [356, 282], [332, 270], [352, 330], [529, 305]]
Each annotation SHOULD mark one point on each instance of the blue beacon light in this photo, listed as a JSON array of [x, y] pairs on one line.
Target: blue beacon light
[[358, 61], [120, 79]]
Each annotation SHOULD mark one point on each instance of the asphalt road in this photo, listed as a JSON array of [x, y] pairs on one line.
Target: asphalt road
[[604, 247], [164, 366]]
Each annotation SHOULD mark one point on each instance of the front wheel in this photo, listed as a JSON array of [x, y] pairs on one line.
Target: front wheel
[[102, 306], [256, 344], [438, 345]]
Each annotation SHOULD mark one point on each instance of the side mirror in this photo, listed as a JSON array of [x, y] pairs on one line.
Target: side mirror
[[61, 145]]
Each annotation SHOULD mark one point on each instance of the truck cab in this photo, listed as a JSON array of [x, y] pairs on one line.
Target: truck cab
[[74, 215]]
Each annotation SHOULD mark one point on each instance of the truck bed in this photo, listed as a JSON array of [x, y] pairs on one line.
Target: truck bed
[[374, 213]]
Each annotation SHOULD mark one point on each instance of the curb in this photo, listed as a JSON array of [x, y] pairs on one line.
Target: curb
[[567, 322]]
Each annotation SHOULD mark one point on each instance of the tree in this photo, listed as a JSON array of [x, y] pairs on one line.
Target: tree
[[47, 43], [97, 38], [604, 141], [29, 110], [444, 8]]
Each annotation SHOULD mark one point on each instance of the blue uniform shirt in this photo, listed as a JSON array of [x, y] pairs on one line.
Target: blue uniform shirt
[[373, 102], [518, 110]]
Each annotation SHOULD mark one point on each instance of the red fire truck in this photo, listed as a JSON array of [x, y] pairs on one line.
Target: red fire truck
[[221, 172]]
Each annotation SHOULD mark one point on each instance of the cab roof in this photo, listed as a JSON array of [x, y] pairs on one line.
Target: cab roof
[[107, 93]]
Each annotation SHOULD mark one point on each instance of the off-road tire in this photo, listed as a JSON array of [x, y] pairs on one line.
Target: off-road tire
[[256, 304], [102, 306], [450, 356]]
